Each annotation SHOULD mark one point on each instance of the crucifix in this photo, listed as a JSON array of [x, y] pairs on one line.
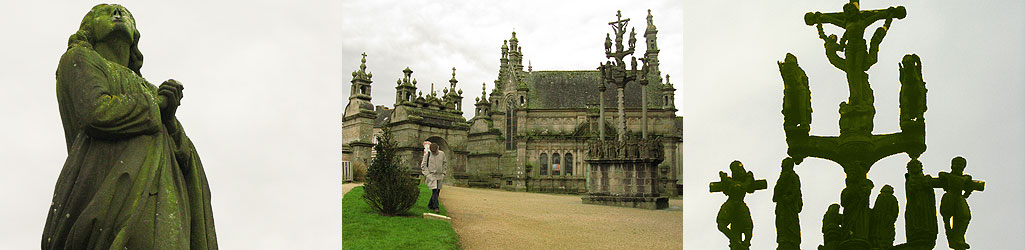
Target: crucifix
[[856, 149], [734, 218]]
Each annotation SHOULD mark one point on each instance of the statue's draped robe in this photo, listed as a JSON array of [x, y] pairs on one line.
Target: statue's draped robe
[[131, 179], [787, 195], [920, 215]]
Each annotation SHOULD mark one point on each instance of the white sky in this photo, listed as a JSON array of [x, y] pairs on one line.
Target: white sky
[[262, 104], [972, 57], [432, 37]]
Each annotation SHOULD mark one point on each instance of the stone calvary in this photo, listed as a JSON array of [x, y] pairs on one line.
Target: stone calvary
[[852, 223]]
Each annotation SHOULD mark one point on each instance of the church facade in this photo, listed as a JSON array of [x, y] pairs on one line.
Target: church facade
[[531, 133]]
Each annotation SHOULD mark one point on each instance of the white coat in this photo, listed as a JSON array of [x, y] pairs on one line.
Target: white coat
[[433, 168]]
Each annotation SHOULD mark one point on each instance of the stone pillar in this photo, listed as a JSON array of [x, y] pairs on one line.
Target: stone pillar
[[621, 127], [644, 111]]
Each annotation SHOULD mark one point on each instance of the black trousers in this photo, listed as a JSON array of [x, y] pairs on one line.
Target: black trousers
[[433, 204]]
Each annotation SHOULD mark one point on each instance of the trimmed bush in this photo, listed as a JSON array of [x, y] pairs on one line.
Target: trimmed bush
[[388, 187]]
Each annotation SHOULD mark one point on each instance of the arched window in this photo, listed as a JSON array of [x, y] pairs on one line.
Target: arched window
[[544, 164], [569, 164], [555, 164], [363, 90], [510, 126]]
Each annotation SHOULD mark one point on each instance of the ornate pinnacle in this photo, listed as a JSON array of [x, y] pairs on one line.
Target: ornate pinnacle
[[453, 80]]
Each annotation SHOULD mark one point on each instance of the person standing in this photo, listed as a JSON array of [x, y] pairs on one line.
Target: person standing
[[433, 169]]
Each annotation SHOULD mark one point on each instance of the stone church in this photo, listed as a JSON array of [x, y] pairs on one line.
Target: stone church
[[529, 134]]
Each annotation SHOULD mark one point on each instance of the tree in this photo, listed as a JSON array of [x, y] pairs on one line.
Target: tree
[[388, 188]]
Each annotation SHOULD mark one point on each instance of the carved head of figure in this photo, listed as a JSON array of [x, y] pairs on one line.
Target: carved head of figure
[[788, 164], [107, 22], [887, 189], [915, 166], [958, 164], [434, 148], [737, 169]]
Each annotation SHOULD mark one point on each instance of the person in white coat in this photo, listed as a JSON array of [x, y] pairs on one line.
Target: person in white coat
[[433, 169]]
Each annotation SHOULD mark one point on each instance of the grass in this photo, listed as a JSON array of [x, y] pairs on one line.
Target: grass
[[364, 228]]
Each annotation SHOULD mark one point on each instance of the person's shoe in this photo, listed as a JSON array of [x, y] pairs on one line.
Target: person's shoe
[[437, 211]]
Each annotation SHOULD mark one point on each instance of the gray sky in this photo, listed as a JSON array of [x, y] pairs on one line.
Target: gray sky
[[431, 37], [972, 59], [262, 104]]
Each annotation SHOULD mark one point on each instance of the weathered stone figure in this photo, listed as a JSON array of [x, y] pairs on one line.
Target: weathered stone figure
[[884, 215], [787, 196], [132, 179], [832, 231], [920, 226], [954, 204], [912, 94], [734, 219], [854, 199], [796, 97]]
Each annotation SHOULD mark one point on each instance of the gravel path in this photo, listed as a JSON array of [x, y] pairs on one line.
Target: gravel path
[[348, 186], [495, 219]]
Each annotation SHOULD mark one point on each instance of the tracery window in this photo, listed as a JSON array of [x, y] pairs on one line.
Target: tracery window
[[569, 164], [555, 164], [544, 164], [510, 126]]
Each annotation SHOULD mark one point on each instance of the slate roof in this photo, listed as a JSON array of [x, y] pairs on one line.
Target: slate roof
[[574, 89], [383, 114]]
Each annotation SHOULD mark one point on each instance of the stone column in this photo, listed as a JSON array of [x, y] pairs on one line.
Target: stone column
[[644, 111], [621, 128]]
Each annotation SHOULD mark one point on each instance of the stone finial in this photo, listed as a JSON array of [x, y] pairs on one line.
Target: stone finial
[[361, 74], [530, 67], [453, 80]]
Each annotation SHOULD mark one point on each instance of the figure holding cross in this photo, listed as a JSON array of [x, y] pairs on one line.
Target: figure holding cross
[[734, 219], [954, 204]]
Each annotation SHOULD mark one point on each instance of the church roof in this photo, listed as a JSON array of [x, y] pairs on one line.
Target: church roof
[[575, 89], [383, 114]]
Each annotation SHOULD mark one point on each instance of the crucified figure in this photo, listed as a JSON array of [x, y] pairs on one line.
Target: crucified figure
[[858, 55]]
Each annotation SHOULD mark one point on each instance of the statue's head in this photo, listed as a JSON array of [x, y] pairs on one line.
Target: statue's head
[[958, 164], [105, 22], [887, 189], [852, 8], [788, 164], [915, 166], [737, 168]]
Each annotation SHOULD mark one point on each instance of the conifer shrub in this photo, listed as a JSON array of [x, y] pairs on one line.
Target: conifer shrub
[[388, 187]]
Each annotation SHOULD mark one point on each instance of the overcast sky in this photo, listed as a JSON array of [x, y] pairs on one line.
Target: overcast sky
[[262, 105], [431, 37], [972, 60]]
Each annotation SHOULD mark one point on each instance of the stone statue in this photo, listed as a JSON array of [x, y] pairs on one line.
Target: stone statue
[[858, 57], [734, 219], [884, 215], [132, 179], [854, 199], [912, 94], [796, 96], [920, 227], [954, 204], [832, 231], [787, 196]]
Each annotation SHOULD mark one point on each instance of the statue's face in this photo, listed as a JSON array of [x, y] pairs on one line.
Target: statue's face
[[108, 20]]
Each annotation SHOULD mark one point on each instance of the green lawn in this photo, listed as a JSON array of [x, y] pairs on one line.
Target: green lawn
[[364, 228]]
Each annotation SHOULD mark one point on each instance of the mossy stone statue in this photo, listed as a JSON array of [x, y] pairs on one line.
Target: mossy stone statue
[[734, 219], [132, 179]]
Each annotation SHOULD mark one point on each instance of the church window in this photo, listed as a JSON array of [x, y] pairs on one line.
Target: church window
[[555, 164], [544, 164], [569, 164], [510, 127]]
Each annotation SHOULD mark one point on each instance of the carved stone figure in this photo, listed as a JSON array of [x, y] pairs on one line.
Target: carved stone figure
[[832, 231], [132, 179], [854, 199], [734, 218], [796, 96], [884, 215], [954, 204], [912, 94], [787, 196], [920, 226]]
